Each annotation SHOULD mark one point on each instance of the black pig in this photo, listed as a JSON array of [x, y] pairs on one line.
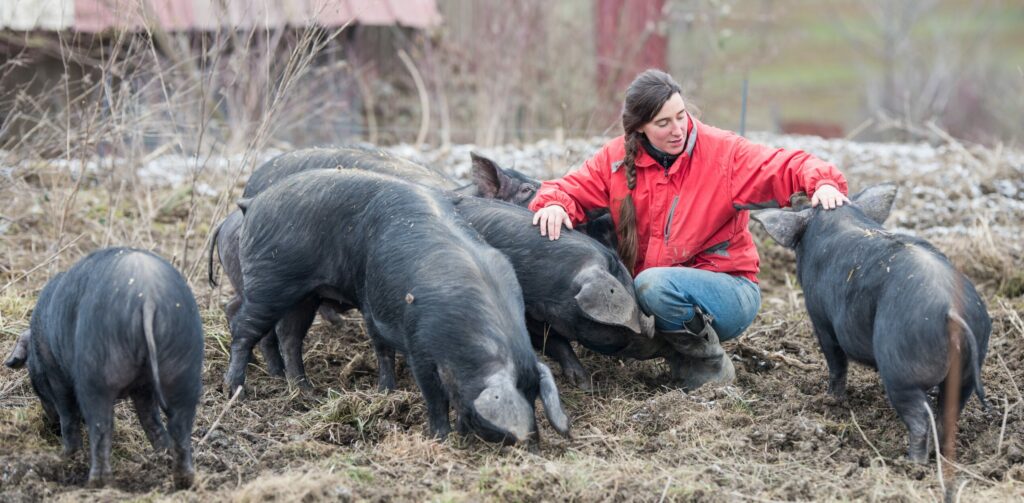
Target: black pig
[[574, 285], [573, 289], [225, 235], [425, 283], [890, 301], [120, 322]]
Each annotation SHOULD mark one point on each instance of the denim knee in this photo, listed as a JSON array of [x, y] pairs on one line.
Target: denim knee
[[670, 294], [650, 286]]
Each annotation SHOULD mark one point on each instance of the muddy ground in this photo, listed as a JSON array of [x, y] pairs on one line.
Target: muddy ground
[[773, 435]]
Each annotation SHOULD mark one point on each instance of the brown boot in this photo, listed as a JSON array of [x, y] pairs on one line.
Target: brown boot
[[701, 359]]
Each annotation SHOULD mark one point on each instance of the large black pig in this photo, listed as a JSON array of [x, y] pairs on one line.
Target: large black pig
[[225, 235], [890, 301], [573, 289], [426, 284], [120, 322]]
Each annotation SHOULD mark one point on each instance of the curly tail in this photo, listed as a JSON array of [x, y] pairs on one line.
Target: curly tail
[[148, 314], [209, 254]]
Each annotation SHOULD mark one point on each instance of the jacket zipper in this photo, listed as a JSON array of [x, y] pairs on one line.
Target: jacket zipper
[[671, 213]]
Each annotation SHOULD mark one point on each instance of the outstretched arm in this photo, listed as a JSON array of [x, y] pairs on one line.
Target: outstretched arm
[[764, 176]]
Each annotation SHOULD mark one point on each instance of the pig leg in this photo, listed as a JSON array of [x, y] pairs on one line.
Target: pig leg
[[557, 348], [434, 394], [291, 331], [98, 412], [329, 313], [149, 417], [270, 347], [251, 323], [51, 418], [837, 361], [69, 414], [231, 308], [911, 403], [180, 418], [386, 380]]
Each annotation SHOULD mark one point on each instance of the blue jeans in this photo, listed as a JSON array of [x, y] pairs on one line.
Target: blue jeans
[[669, 294]]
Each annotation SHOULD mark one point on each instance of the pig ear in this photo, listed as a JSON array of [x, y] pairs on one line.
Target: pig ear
[[552, 404], [243, 203], [19, 355], [876, 201], [487, 176], [783, 226], [603, 299]]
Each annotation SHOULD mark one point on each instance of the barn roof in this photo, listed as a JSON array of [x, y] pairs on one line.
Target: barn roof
[[202, 15]]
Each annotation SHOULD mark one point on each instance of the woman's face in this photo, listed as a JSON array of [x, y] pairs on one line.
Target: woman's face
[[667, 132]]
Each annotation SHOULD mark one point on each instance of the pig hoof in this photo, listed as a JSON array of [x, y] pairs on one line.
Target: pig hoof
[[229, 391], [832, 399], [96, 482], [162, 445], [580, 378], [584, 384], [302, 384], [275, 370], [533, 448], [917, 458], [184, 480]]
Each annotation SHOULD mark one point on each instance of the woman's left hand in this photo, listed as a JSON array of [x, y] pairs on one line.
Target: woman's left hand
[[829, 197]]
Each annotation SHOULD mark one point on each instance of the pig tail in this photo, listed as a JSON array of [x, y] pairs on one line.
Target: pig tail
[[626, 228]]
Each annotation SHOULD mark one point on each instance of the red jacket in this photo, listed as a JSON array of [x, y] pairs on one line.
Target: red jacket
[[693, 214]]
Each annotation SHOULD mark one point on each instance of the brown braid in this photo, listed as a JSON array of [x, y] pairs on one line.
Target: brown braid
[[626, 228], [646, 95]]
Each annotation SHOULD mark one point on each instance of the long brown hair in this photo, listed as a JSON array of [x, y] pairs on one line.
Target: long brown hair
[[644, 98]]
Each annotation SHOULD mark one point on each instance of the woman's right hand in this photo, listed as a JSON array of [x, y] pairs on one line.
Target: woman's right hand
[[551, 218]]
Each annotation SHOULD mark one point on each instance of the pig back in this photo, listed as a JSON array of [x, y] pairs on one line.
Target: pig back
[[350, 157], [382, 243]]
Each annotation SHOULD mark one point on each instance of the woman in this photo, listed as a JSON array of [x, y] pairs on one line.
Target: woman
[[678, 191]]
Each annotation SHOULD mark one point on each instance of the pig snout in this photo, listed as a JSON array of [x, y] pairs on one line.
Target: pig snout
[[502, 405], [19, 355]]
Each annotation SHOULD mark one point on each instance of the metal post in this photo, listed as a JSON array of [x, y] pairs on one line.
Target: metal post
[[743, 109]]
